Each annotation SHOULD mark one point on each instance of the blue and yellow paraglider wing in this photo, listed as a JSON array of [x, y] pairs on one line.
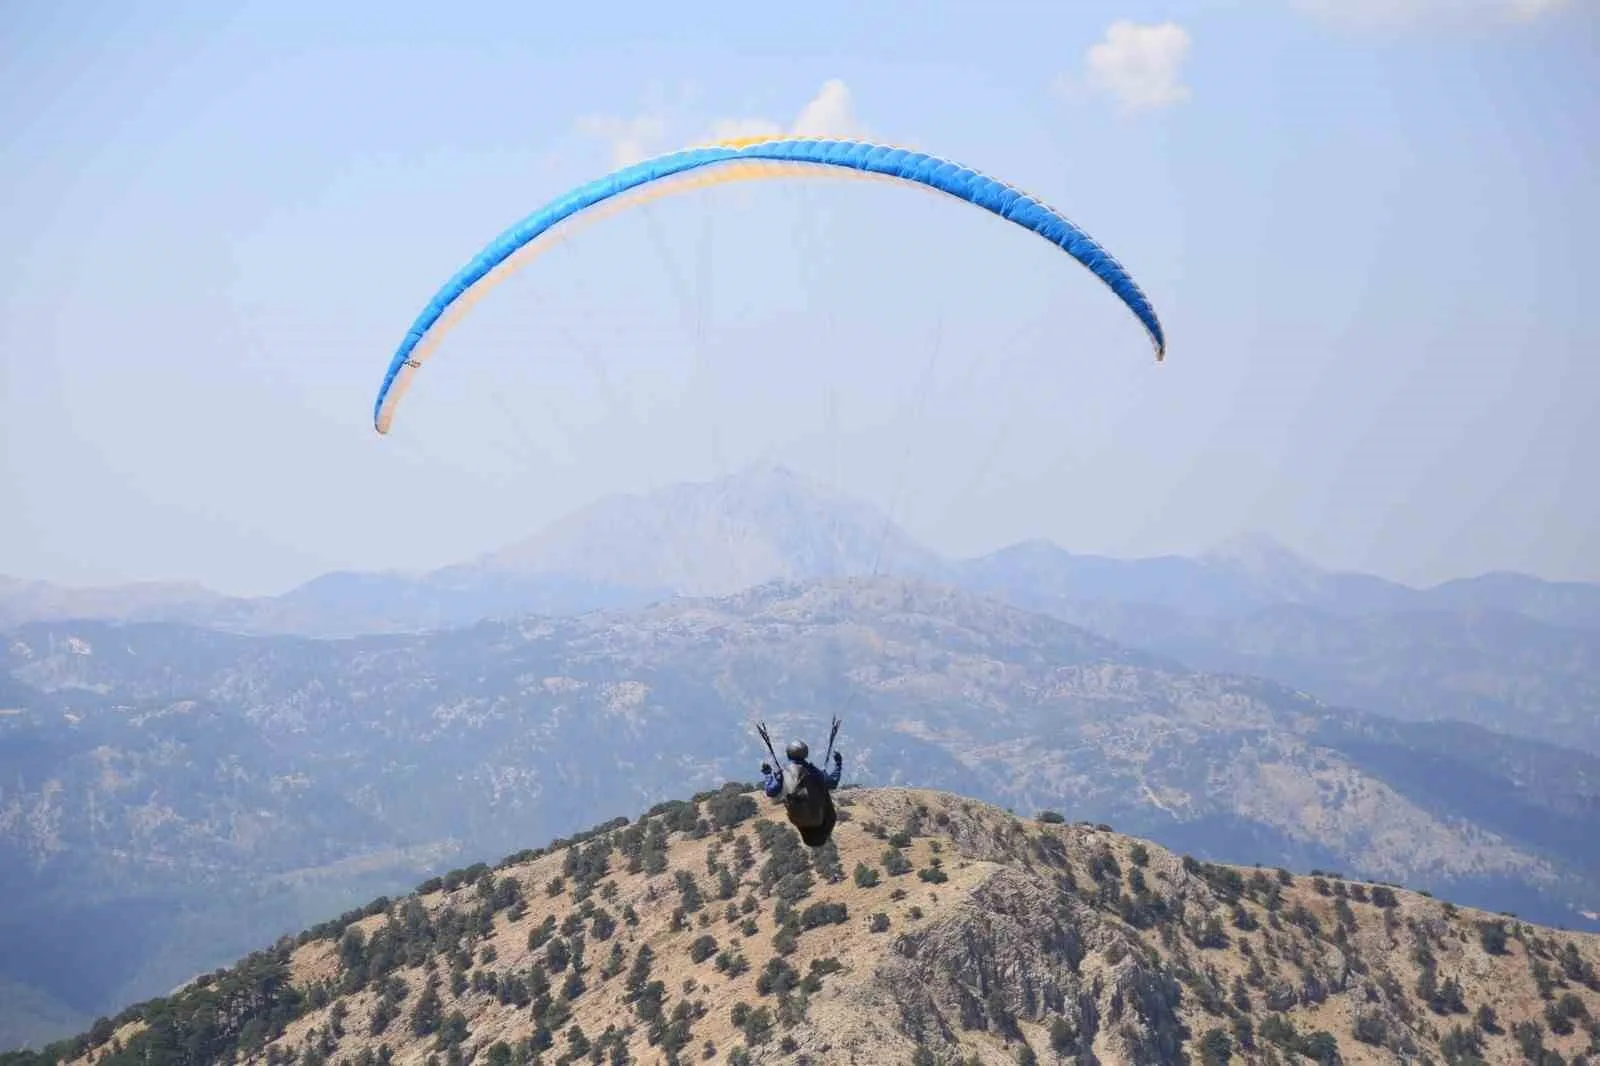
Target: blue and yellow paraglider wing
[[739, 161]]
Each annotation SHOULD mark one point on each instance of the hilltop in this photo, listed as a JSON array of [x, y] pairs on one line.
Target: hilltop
[[933, 929]]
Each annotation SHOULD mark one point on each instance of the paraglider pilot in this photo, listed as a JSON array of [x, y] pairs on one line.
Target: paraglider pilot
[[805, 788]]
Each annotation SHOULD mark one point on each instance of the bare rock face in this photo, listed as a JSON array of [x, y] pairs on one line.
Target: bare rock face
[[1020, 953]]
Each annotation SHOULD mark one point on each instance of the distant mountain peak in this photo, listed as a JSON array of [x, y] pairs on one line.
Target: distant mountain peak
[[762, 523], [1260, 553], [1034, 547]]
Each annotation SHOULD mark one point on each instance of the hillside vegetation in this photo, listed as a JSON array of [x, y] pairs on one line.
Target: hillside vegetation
[[932, 929]]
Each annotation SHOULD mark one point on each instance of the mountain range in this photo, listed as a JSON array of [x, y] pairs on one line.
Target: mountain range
[[184, 775], [772, 524], [171, 795], [1508, 652]]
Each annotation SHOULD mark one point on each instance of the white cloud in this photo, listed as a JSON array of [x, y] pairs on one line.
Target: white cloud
[[830, 113], [1399, 13], [631, 139], [1140, 66]]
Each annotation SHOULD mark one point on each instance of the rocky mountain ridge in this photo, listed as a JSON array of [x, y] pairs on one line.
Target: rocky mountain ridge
[[932, 929]]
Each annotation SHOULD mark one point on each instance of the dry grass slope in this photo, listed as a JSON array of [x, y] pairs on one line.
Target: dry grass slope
[[934, 930]]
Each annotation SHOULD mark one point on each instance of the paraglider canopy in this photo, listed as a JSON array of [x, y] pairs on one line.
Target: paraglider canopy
[[746, 160]]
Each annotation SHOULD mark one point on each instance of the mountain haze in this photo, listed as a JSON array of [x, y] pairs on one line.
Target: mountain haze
[[718, 537], [770, 523], [1499, 669], [30, 601], [699, 538]]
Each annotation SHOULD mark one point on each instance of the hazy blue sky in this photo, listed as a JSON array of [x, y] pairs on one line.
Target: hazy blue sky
[[1368, 227]]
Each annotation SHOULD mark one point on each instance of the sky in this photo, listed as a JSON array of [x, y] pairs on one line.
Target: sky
[[1364, 224]]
